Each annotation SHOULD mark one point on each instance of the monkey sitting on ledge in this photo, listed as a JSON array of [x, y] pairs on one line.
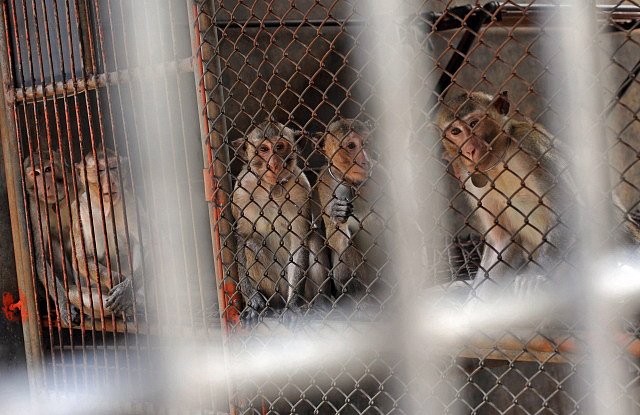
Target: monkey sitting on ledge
[[519, 188], [109, 252], [282, 259], [51, 229], [356, 217]]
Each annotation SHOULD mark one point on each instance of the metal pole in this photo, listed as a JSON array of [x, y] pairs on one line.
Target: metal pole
[[17, 208], [217, 180]]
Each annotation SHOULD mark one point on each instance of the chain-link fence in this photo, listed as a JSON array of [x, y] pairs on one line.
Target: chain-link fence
[[402, 202]]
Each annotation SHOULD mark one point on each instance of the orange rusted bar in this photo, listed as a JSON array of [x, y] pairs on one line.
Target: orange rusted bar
[[217, 195], [228, 295]]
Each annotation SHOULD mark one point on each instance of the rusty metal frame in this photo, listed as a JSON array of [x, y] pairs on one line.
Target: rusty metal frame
[[217, 182], [216, 178], [18, 208]]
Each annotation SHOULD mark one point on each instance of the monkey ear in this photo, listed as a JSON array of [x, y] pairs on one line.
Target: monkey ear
[[501, 103], [240, 148], [28, 171]]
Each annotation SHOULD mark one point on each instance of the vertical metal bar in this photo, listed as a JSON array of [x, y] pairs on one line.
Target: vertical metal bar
[[13, 168], [216, 167], [583, 109], [67, 273], [127, 131], [229, 300], [70, 106], [30, 144], [180, 251]]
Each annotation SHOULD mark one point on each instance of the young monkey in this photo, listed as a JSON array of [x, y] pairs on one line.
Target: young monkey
[[355, 217], [518, 187], [103, 195], [276, 245]]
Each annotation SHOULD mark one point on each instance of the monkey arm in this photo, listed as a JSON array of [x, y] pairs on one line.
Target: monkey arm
[[45, 272], [296, 270], [501, 260], [130, 290], [254, 300], [318, 285], [88, 300]]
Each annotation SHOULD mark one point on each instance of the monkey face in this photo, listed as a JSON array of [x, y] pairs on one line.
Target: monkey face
[[347, 153], [103, 177], [48, 183], [473, 138], [272, 160]]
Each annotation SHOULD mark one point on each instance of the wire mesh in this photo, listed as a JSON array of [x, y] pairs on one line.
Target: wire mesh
[[286, 116], [109, 138]]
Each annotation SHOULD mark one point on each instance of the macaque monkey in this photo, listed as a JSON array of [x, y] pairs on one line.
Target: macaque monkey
[[103, 195], [518, 187], [47, 198], [276, 244], [353, 204]]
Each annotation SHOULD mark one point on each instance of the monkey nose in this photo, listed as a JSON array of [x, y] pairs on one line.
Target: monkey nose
[[471, 154]]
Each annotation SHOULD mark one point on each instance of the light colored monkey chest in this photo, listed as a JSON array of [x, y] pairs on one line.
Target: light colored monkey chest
[[106, 240], [514, 206], [271, 214]]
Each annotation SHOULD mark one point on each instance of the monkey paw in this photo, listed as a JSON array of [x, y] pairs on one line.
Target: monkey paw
[[252, 310], [340, 210], [71, 318], [120, 298]]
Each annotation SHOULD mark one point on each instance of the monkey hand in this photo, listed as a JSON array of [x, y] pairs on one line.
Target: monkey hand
[[251, 312], [120, 298], [71, 317], [340, 210]]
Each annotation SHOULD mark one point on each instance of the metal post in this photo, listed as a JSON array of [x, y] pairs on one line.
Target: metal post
[[17, 207], [217, 180]]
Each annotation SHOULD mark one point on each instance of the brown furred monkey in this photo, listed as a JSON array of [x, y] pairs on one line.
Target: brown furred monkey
[[518, 186], [52, 240], [355, 215], [103, 195], [276, 244]]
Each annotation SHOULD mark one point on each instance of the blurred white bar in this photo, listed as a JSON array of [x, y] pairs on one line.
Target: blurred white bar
[[581, 54]]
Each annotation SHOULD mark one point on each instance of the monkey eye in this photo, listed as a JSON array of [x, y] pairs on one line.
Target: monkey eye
[[279, 147], [36, 173], [47, 169], [351, 145], [473, 123], [455, 131], [264, 149]]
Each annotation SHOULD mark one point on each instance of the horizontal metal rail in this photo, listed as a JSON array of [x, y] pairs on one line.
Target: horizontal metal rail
[[451, 19], [71, 86]]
